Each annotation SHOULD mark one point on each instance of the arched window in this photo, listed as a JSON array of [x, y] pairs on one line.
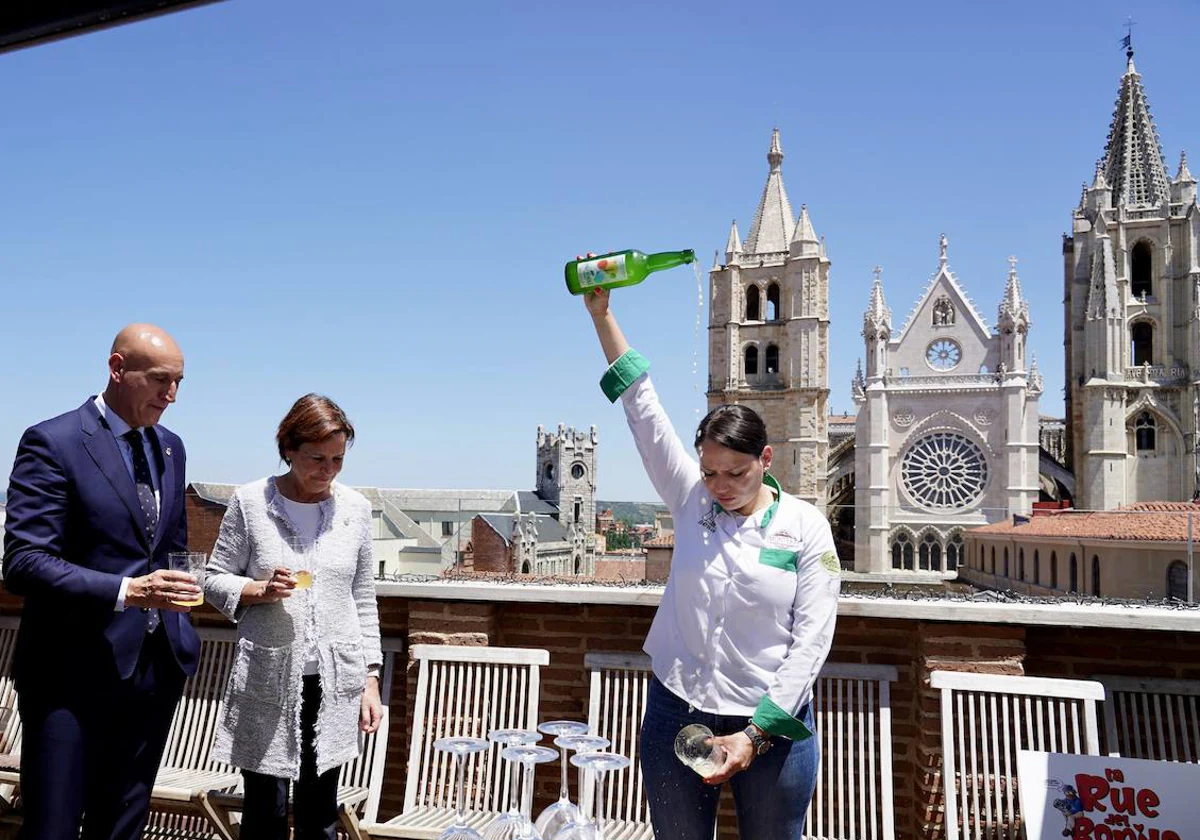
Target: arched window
[[753, 309], [1142, 265], [1144, 432], [954, 552], [930, 553], [1054, 570], [1037, 569], [1141, 337], [1007, 573], [1072, 574], [773, 302], [1021, 563], [772, 360], [902, 551], [1177, 581], [993, 559], [751, 366], [1095, 575]]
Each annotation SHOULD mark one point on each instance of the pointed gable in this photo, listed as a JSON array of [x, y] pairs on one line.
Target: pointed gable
[[772, 228], [943, 283]]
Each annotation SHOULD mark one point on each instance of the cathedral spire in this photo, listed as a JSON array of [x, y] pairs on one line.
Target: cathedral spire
[[1183, 187], [1133, 161], [804, 241], [1014, 308], [877, 315], [772, 228], [734, 244], [1184, 175]]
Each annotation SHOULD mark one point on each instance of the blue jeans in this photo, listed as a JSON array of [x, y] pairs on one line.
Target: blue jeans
[[771, 795]]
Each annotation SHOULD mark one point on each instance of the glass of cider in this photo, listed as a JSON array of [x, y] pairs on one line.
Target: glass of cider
[[301, 561], [193, 563]]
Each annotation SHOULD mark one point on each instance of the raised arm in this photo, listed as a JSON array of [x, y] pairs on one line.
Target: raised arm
[[671, 468]]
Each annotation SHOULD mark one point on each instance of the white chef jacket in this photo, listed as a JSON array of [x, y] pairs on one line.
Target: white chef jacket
[[748, 612]]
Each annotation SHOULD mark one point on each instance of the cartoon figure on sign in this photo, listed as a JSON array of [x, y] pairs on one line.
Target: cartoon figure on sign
[[1071, 807]]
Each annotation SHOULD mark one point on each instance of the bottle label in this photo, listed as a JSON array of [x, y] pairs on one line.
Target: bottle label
[[599, 271]]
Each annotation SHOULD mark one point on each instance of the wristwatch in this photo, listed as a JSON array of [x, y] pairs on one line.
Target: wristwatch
[[758, 739]]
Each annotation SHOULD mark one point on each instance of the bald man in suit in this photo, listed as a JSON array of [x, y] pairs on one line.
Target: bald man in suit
[[95, 504]]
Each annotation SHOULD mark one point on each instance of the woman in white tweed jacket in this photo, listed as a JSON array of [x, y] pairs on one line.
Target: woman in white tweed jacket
[[305, 679]]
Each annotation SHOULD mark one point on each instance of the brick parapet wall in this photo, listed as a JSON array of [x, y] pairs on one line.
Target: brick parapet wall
[[570, 629]]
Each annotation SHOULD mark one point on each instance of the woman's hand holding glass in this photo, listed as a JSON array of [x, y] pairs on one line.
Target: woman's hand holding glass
[[738, 752], [274, 589]]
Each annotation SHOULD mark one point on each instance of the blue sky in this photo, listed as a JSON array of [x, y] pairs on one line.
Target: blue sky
[[374, 199]]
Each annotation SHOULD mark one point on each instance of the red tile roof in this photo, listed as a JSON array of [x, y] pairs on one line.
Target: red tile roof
[[661, 541], [1162, 521]]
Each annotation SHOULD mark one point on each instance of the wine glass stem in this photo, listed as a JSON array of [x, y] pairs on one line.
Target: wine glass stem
[[527, 794], [598, 804], [461, 797], [514, 800], [563, 793]]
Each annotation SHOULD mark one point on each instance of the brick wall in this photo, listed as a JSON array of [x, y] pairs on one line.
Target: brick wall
[[491, 551], [204, 521], [633, 571]]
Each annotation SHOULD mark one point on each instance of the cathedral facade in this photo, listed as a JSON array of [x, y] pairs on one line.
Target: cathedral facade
[[946, 436], [768, 333], [1132, 301]]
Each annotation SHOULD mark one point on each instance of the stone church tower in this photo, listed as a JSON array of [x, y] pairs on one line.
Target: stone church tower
[[566, 477], [1132, 310], [768, 333], [947, 428]]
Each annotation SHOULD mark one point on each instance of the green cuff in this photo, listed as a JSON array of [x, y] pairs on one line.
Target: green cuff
[[775, 721], [622, 373]]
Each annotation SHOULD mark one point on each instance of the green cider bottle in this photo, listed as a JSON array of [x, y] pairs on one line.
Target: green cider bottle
[[620, 268]]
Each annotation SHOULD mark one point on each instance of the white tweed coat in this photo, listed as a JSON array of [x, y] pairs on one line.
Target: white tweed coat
[[260, 728]]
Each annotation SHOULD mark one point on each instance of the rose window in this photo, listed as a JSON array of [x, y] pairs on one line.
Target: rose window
[[943, 471], [943, 354]]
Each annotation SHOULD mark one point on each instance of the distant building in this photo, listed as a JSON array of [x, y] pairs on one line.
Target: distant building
[[947, 426], [663, 522], [658, 557], [425, 532], [1139, 551], [1132, 301]]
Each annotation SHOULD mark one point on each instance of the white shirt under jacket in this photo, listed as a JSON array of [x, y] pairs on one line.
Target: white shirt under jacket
[[748, 612]]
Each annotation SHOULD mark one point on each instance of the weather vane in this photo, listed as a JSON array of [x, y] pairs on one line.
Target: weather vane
[[1127, 41]]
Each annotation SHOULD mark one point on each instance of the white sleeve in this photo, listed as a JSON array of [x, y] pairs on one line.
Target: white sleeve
[[671, 468]]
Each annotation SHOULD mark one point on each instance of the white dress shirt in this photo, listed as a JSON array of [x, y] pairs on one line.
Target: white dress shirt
[[747, 616]]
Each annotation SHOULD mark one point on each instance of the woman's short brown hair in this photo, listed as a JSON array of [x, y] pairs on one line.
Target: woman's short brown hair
[[312, 418]]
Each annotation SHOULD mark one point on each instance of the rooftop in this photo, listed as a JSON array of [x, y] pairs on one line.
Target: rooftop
[[1162, 521]]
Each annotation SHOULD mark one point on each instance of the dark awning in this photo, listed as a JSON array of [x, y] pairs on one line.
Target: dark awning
[[25, 23]]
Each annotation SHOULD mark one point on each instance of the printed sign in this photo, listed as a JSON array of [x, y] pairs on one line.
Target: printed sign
[[1092, 797]]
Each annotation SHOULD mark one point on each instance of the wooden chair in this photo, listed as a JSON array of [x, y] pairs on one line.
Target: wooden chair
[[182, 803], [853, 713], [852, 708], [462, 691], [616, 706], [1156, 719], [986, 719], [10, 729]]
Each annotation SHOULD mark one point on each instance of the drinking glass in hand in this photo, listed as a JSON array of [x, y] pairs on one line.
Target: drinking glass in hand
[[301, 561], [694, 746], [193, 563]]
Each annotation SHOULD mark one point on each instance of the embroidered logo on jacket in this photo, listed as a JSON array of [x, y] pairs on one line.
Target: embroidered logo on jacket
[[709, 520], [830, 563]]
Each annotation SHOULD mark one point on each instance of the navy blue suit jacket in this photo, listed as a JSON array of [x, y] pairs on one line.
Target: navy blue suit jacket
[[74, 529]]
